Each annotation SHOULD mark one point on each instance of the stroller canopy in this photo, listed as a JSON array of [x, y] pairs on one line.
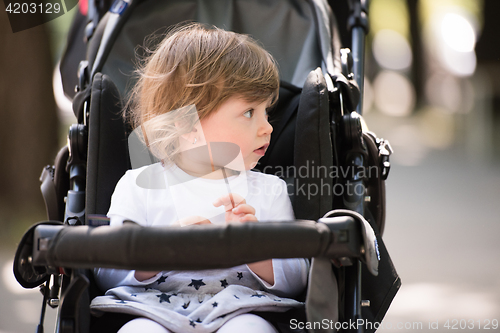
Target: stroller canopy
[[299, 34]]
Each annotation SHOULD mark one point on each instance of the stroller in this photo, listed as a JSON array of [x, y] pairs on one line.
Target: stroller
[[352, 280]]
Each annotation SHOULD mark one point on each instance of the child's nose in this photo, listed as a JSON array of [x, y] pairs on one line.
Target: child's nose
[[266, 127]]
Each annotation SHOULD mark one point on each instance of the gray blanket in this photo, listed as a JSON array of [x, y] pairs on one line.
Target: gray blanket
[[198, 301]]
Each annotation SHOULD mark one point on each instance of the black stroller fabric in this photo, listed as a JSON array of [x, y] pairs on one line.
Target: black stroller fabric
[[313, 147], [108, 158], [287, 29]]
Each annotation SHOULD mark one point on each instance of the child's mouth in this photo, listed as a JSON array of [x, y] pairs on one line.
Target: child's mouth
[[262, 150]]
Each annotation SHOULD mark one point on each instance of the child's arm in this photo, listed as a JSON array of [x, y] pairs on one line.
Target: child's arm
[[290, 275], [108, 278], [283, 277], [264, 270], [237, 210], [145, 275]]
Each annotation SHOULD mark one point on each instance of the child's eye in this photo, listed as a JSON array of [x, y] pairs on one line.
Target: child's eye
[[249, 113]]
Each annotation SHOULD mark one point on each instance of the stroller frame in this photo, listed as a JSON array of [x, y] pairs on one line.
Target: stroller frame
[[342, 237]]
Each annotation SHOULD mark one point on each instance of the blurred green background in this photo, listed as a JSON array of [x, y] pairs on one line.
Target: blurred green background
[[433, 63], [432, 87], [33, 125]]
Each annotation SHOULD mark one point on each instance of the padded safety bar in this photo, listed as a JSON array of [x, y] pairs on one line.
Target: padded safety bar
[[194, 247]]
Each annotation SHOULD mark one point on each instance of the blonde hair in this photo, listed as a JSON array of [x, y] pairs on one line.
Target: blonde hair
[[200, 66]]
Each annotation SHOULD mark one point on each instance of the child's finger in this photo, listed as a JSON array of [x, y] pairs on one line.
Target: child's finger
[[244, 209], [248, 218], [228, 200]]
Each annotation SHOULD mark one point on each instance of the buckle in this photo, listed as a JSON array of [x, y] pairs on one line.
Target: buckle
[[384, 151]]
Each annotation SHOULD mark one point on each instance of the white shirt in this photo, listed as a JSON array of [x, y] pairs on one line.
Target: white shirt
[[158, 196]]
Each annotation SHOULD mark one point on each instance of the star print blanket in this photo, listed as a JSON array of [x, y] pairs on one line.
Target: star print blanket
[[197, 301]]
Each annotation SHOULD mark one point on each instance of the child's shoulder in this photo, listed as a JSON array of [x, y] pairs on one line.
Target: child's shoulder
[[150, 169], [145, 175]]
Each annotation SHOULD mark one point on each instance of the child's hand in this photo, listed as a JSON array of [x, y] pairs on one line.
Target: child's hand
[[237, 210], [193, 220]]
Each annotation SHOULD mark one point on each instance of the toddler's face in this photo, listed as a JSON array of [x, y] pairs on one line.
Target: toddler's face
[[242, 123]]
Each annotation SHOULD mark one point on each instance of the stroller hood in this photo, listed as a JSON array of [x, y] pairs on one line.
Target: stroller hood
[[299, 34]]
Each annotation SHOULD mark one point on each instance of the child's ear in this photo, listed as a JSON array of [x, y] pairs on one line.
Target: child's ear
[[193, 136]]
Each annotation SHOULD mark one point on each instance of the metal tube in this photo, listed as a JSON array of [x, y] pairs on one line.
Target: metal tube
[[358, 54]]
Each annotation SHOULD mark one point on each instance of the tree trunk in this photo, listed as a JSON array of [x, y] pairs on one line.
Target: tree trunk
[[488, 62], [417, 69], [29, 124]]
